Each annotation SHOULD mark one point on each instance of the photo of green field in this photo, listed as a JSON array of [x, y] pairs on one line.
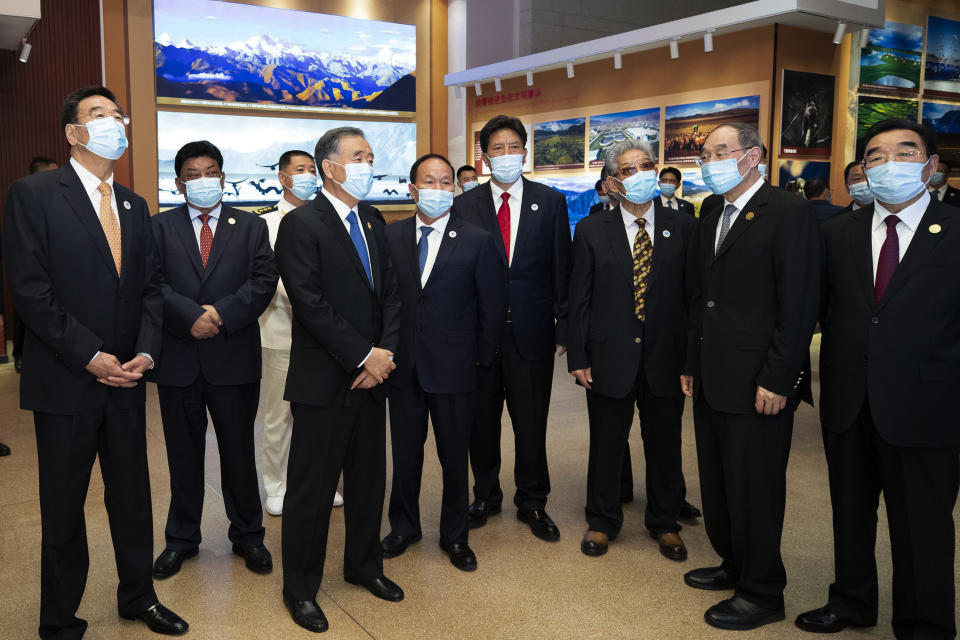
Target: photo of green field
[[871, 110], [891, 60], [559, 144]]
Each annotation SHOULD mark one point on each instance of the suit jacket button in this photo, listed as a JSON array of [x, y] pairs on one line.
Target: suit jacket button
[[637, 340], [875, 320], [711, 304]]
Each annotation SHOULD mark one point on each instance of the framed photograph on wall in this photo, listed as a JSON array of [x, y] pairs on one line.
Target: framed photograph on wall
[[890, 63], [941, 72], [610, 129], [579, 192], [872, 109], [686, 126], [559, 144], [806, 114], [802, 170], [944, 119]]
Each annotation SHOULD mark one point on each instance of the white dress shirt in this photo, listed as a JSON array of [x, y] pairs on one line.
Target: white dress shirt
[[670, 203], [631, 224], [433, 243], [277, 319], [515, 202], [739, 203], [198, 224], [909, 220], [941, 192], [286, 207], [91, 184]]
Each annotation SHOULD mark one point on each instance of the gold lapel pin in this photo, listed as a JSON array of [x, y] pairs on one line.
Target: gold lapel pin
[[935, 228], [232, 220], [750, 215], [369, 226]]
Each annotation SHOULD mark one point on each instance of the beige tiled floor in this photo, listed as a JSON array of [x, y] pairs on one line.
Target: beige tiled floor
[[524, 588]]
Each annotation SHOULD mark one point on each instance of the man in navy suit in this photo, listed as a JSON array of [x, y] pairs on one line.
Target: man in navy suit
[[531, 229], [670, 181], [82, 264], [453, 299], [219, 276]]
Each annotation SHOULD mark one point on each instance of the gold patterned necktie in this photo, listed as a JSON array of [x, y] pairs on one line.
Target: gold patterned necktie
[[642, 261], [111, 227]]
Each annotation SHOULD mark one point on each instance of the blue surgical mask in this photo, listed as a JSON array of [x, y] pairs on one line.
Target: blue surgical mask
[[470, 185], [938, 178], [896, 182], [722, 175], [605, 199], [640, 187], [204, 192], [762, 168], [107, 138], [434, 202], [304, 184], [508, 168], [860, 192], [359, 179], [668, 189]]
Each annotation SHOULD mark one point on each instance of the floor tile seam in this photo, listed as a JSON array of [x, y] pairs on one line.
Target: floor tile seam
[[347, 613]]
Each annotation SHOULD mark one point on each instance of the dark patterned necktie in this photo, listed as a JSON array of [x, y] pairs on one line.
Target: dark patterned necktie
[[642, 261], [889, 257]]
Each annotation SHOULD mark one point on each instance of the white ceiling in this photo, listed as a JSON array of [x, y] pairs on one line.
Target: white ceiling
[[17, 18]]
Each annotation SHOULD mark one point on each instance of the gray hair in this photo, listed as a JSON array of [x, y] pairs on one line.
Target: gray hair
[[329, 143], [613, 155], [747, 135]]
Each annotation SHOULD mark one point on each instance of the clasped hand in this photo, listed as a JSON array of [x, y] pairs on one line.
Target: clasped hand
[[207, 325], [110, 372], [376, 369]]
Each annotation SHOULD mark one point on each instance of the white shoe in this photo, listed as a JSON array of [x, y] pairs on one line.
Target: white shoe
[[274, 506], [337, 499]]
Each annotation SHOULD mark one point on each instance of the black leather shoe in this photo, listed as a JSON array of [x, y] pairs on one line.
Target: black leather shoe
[[4, 450], [823, 620], [540, 523], [306, 613], [741, 615], [161, 620], [382, 587], [169, 562], [689, 511], [480, 511], [258, 558], [395, 544], [461, 555], [710, 579], [594, 543]]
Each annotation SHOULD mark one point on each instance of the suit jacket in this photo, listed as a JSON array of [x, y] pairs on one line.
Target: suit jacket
[[277, 320], [66, 289], [337, 315], [538, 278], [456, 320], [903, 354], [952, 197], [753, 306], [594, 209], [239, 280], [825, 210], [603, 327]]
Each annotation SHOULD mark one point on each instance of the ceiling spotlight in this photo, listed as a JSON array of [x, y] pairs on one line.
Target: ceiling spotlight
[[459, 91], [674, 49], [618, 60], [864, 37], [569, 69], [838, 34], [497, 84], [477, 89], [25, 51], [708, 40], [529, 78]]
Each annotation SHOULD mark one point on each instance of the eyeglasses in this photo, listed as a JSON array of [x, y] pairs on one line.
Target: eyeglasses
[[876, 159], [633, 169], [704, 158]]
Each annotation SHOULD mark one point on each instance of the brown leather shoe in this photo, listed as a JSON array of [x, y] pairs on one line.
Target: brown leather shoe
[[671, 546], [594, 543]]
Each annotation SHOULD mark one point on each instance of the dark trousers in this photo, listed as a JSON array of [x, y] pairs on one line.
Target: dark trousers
[[452, 417], [66, 449], [743, 485], [626, 474], [234, 410], [525, 385], [324, 441], [660, 425], [919, 486]]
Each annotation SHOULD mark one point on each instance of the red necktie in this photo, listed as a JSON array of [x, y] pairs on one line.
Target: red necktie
[[503, 219], [206, 238], [889, 257]]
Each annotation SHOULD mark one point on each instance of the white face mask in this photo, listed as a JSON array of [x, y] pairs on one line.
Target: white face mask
[[507, 168]]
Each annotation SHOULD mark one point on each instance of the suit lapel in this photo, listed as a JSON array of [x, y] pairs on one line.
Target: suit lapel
[[332, 219], [920, 247], [530, 212], [221, 238], [79, 201], [188, 237], [489, 218], [663, 222], [409, 251], [127, 250], [371, 239], [447, 245], [616, 234], [745, 218], [861, 250]]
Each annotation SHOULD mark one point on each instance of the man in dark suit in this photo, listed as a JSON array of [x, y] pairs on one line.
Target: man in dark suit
[[857, 186], [627, 338], [939, 187], [670, 181], [817, 192], [531, 228], [889, 380], [82, 263], [334, 262], [453, 291], [753, 294], [219, 276], [606, 201]]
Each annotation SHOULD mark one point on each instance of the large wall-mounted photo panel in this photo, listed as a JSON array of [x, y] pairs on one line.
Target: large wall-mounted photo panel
[[579, 192], [806, 118], [686, 126], [252, 145], [558, 144], [693, 189], [944, 119], [871, 109], [610, 129], [800, 171], [227, 54], [891, 60], [941, 74]]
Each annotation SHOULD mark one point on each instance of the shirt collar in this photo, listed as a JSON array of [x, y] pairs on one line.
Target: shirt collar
[[195, 213], [341, 207], [629, 218], [742, 201], [942, 190], [515, 190], [439, 225], [909, 216], [90, 182]]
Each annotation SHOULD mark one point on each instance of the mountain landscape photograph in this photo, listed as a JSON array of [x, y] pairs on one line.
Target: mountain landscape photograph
[[212, 51]]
